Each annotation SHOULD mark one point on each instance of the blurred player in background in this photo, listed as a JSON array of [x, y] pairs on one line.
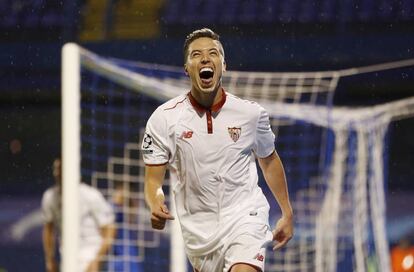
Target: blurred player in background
[[210, 139], [96, 224]]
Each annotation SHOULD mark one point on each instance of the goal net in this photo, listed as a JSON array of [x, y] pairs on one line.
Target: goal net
[[335, 161]]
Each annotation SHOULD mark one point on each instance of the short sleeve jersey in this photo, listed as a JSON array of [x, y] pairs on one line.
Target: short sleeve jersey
[[95, 212], [211, 154]]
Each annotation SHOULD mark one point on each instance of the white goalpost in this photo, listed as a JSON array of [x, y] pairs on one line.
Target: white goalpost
[[71, 156], [334, 160]]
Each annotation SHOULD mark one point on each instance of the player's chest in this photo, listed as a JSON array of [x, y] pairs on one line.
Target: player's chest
[[214, 133]]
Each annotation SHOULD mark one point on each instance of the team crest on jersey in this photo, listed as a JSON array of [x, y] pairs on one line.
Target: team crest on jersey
[[234, 133]]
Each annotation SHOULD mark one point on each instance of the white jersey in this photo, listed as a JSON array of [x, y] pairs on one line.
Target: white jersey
[[95, 212], [211, 153]]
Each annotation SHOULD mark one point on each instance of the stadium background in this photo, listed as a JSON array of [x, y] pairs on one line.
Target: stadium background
[[257, 35]]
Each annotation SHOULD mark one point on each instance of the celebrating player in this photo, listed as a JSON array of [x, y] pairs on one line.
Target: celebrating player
[[96, 224], [210, 139]]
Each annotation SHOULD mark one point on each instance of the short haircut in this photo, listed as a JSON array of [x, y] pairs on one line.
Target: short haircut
[[201, 33]]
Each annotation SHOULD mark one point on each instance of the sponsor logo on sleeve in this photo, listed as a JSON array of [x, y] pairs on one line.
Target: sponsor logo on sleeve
[[259, 257], [146, 144], [186, 134]]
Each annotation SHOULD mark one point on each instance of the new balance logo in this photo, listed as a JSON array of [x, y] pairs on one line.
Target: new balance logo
[[186, 134], [259, 257]]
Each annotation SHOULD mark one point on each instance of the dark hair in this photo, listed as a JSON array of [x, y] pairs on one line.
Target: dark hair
[[200, 33]]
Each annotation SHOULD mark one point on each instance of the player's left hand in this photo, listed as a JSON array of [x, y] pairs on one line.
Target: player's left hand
[[283, 232]]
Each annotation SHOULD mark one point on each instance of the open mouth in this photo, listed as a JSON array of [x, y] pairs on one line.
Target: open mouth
[[206, 75]]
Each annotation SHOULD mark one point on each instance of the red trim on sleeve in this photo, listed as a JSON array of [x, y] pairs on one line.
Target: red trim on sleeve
[[258, 269], [160, 164]]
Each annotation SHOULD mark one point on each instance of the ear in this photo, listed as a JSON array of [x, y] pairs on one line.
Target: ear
[[224, 66], [185, 69]]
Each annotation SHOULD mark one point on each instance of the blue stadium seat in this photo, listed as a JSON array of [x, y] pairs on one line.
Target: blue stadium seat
[[346, 11], [53, 13], [327, 11], [229, 11], [210, 11], [8, 18], [190, 11], [406, 11], [288, 11], [248, 12], [200, 12], [268, 10], [385, 11], [30, 14], [366, 11], [252, 12], [307, 11], [171, 12]]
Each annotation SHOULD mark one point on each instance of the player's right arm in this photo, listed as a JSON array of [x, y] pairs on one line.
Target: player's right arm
[[49, 247], [154, 195], [156, 150]]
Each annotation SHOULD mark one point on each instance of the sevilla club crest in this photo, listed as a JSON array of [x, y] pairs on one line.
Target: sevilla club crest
[[234, 133]]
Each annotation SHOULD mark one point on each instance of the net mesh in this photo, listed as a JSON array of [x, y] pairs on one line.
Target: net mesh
[[333, 159]]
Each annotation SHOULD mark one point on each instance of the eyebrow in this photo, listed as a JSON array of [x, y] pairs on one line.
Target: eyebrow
[[199, 50]]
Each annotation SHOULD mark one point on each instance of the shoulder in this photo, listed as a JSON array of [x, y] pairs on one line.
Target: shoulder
[[49, 194], [173, 104], [249, 107], [166, 112], [91, 196], [89, 191], [49, 197]]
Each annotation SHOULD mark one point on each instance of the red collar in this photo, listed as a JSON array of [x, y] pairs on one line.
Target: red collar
[[214, 108]]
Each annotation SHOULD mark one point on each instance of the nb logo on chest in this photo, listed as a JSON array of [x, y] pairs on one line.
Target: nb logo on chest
[[186, 134]]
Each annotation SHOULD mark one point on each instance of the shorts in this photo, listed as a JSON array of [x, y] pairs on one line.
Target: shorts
[[247, 247]]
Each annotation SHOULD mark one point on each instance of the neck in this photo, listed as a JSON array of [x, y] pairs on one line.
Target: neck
[[207, 99]]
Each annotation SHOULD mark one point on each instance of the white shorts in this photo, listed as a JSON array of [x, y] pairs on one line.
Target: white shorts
[[247, 248], [87, 254]]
